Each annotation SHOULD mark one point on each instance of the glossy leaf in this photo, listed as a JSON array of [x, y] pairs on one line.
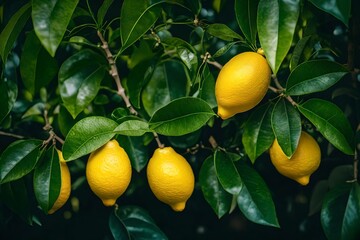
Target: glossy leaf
[[254, 199], [15, 196], [132, 128], [87, 135], [314, 76], [47, 179], [103, 10], [298, 52], [258, 133], [317, 196], [340, 214], [341, 9], [276, 22], [286, 123], [19, 159], [331, 122], [138, 224], [181, 116], [168, 82], [214, 193], [137, 17], [136, 150], [8, 86], [224, 49], [12, 30], [117, 228], [245, 11], [227, 173], [223, 32], [79, 79], [207, 90], [50, 19], [34, 60]]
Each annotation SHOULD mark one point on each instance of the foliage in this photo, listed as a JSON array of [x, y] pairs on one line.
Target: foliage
[[163, 57]]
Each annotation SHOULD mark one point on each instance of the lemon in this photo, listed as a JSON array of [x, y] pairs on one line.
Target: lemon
[[242, 83], [304, 161], [65, 188], [108, 172], [170, 177]]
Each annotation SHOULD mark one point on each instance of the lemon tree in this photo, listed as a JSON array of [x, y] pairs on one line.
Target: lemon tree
[[179, 119]]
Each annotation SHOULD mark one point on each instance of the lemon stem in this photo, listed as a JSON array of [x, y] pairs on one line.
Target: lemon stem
[[115, 74], [159, 143]]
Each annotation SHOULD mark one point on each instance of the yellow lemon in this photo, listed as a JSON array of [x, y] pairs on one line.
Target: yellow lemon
[[170, 177], [65, 185], [108, 172], [242, 83], [304, 161]]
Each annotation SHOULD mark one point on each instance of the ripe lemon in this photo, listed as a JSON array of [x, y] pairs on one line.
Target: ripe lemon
[[108, 172], [304, 161], [65, 185], [242, 83], [170, 177]]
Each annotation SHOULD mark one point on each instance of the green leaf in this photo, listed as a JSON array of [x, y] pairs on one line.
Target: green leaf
[[245, 11], [87, 135], [103, 10], [12, 30], [340, 214], [8, 86], [254, 199], [79, 80], [132, 128], [286, 124], [181, 116], [258, 134], [18, 159], [331, 123], [168, 82], [314, 76], [137, 17], [298, 52], [223, 32], [50, 19], [221, 51], [34, 60], [227, 173], [341, 9], [207, 90], [47, 179], [136, 150], [117, 228], [138, 224], [15, 196], [214, 193], [276, 22]]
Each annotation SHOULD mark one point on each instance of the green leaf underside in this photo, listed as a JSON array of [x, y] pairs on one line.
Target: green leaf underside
[[286, 123], [50, 19], [18, 159], [245, 11], [227, 173], [79, 79], [132, 128], [254, 199], [258, 134], [15, 196], [314, 76], [12, 30], [181, 116], [340, 213], [47, 180], [214, 193], [331, 122], [276, 22], [223, 32], [87, 135], [341, 9], [137, 17]]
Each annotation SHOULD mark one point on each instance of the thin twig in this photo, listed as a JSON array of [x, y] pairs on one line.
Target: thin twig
[[159, 143], [115, 74], [11, 135], [215, 64], [213, 142]]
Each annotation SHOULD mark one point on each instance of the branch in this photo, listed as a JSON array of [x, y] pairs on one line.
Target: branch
[[11, 135], [115, 74]]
